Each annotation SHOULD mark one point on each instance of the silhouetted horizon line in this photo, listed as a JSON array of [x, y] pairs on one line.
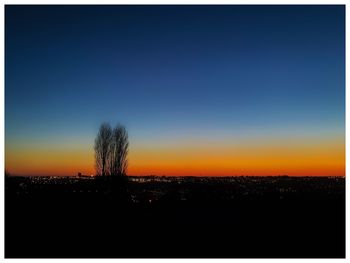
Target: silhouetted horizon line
[[151, 175]]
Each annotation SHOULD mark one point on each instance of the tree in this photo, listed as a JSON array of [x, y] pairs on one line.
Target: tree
[[118, 151], [102, 148], [113, 153]]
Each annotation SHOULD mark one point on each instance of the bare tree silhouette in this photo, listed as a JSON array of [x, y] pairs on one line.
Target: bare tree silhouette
[[102, 147], [113, 153], [118, 151]]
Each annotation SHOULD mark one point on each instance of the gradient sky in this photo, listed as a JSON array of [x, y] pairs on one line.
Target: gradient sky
[[202, 90]]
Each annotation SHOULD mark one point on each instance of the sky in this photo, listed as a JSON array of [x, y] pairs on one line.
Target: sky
[[202, 90]]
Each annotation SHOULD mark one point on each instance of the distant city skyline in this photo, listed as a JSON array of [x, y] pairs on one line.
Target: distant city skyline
[[202, 90]]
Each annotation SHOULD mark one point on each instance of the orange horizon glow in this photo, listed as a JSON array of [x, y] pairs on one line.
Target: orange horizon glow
[[301, 157]]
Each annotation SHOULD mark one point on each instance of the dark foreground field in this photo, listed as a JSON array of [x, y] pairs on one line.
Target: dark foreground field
[[175, 217]]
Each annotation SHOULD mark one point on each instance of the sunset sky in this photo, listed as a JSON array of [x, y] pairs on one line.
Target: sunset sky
[[202, 90]]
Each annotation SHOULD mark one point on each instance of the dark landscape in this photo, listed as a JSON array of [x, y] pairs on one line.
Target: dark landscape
[[174, 217]]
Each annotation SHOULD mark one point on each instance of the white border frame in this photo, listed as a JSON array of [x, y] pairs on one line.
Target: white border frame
[[167, 2]]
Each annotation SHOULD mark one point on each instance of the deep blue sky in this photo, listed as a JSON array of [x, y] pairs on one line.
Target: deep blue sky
[[168, 71]]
